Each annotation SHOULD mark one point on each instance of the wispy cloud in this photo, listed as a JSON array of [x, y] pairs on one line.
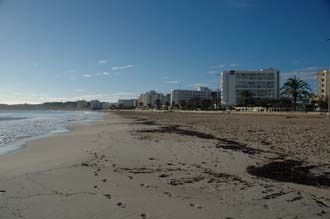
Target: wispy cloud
[[233, 65], [215, 69], [102, 73], [172, 82], [218, 66], [306, 73], [111, 97], [87, 76], [102, 61], [123, 67], [212, 72]]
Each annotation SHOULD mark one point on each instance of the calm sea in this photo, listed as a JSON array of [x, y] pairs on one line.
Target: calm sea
[[17, 127]]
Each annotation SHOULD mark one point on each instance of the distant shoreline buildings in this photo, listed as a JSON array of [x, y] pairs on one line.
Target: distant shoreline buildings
[[261, 85]]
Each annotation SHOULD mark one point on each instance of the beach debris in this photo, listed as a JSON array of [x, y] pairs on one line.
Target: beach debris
[[186, 180], [85, 164], [177, 130], [275, 195], [295, 199]]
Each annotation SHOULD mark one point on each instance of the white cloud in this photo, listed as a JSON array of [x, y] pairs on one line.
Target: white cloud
[[172, 82], [233, 65], [113, 97], [218, 66], [122, 67], [87, 76], [105, 73], [102, 61], [213, 72]]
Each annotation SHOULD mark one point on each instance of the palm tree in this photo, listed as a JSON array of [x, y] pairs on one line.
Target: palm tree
[[295, 88]]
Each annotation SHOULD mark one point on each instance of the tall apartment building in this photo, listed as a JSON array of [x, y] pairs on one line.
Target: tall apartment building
[[262, 83], [323, 78], [179, 95]]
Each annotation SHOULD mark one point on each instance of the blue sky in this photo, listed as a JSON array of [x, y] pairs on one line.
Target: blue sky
[[109, 49]]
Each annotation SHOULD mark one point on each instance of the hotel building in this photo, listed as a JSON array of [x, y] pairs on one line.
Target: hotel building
[[153, 98], [262, 83], [179, 95], [323, 78]]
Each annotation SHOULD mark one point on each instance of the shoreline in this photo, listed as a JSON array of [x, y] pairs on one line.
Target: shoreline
[[19, 145], [124, 167]]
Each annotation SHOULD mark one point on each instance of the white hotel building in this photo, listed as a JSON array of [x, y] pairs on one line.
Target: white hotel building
[[179, 95], [262, 83], [323, 78]]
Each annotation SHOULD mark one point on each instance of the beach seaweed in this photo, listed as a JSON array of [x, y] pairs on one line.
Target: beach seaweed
[[290, 171]]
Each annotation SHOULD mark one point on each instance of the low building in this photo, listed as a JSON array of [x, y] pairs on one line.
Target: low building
[[96, 105], [262, 83], [127, 103], [178, 96], [82, 104], [106, 105], [152, 99]]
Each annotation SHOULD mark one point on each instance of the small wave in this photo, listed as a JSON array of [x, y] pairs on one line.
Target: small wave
[[18, 127]]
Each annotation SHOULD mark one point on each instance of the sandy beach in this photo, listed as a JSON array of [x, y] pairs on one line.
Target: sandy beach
[[173, 166]]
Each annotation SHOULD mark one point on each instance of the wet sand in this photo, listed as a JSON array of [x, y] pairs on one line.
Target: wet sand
[[174, 165]]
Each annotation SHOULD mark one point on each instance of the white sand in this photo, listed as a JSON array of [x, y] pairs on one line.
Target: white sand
[[47, 179]]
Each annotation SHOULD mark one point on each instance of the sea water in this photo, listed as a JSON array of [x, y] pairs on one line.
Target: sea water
[[17, 127]]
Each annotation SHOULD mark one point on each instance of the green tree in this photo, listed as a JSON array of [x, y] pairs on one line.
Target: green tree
[[158, 103], [183, 104], [296, 88], [246, 98]]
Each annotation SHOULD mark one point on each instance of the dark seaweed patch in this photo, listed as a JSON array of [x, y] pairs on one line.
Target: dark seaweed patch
[[237, 146], [223, 142], [176, 130], [290, 171]]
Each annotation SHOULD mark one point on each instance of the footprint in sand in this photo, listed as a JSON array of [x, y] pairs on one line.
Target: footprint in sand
[[120, 204], [196, 206], [168, 194], [143, 216]]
